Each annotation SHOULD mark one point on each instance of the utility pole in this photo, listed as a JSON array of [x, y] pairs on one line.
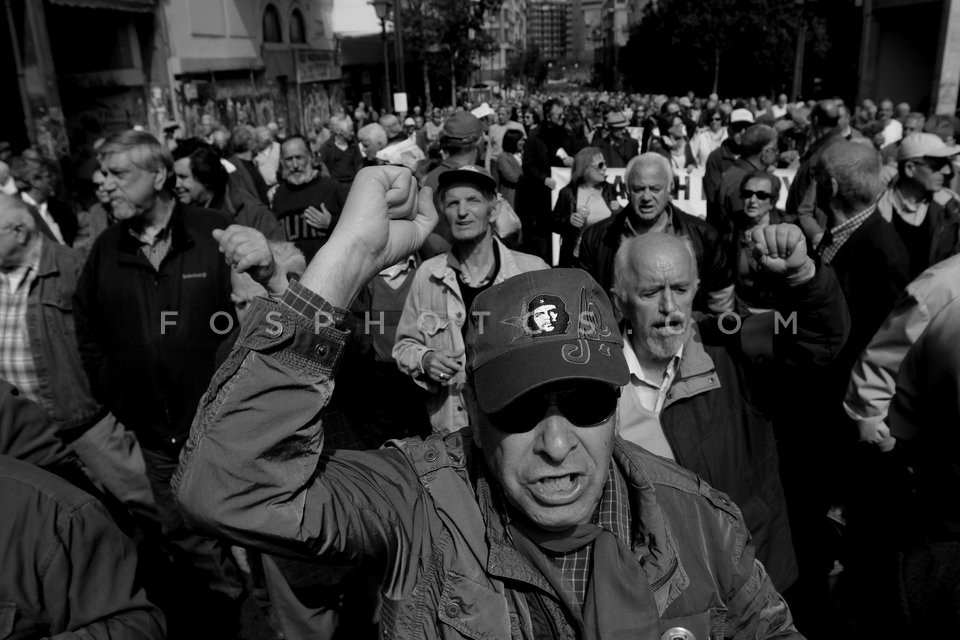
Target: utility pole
[[800, 52], [398, 41]]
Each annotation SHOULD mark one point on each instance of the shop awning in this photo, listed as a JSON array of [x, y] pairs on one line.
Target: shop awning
[[145, 6]]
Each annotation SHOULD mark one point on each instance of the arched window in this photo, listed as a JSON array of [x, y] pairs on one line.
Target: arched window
[[298, 31], [271, 25]]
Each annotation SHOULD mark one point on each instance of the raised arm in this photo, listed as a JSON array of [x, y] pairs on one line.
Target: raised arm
[[254, 468]]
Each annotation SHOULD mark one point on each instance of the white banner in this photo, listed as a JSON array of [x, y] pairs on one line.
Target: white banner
[[688, 192]]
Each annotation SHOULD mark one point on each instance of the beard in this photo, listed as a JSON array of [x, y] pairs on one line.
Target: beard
[[301, 177], [123, 209], [663, 338], [664, 347]]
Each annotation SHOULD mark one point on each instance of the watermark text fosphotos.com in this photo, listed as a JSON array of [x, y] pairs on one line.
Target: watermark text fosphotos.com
[[429, 322]]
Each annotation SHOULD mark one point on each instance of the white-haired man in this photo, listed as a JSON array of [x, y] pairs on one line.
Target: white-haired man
[[693, 392], [649, 179], [340, 154]]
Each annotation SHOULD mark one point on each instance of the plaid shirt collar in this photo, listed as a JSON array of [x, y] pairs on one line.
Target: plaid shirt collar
[[836, 237], [26, 272]]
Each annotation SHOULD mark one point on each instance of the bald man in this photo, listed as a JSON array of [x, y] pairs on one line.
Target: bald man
[[372, 139], [694, 392], [801, 205]]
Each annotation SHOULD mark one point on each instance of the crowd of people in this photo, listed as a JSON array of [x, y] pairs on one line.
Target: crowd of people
[[742, 426]]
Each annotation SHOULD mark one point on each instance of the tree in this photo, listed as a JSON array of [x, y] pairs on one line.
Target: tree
[[704, 41], [527, 66], [446, 37]]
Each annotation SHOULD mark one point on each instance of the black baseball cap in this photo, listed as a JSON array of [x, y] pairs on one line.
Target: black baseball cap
[[542, 327]]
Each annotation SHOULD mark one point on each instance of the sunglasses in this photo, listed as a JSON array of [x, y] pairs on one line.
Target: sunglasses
[[585, 406], [601, 166], [935, 164], [763, 196]]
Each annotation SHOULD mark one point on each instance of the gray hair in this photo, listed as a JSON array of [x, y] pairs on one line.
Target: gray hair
[[756, 138], [856, 168], [145, 151], [622, 272], [650, 157]]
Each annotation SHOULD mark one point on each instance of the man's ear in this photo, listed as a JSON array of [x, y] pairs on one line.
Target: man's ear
[[160, 178], [834, 187], [909, 168], [494, 209]]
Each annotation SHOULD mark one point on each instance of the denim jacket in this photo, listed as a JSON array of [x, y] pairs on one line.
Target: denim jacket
[[254, 470], [64, 388]]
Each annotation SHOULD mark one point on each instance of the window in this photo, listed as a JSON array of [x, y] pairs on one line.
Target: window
[[271, 25], [298, 32]]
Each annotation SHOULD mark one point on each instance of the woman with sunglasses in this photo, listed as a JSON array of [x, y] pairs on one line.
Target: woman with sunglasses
[[531, 120], [587, 200], [710, 134], [759, 191]]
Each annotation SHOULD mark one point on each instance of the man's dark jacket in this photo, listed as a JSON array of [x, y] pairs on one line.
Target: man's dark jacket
[[873, 268], [617, 152], [718, 162], [145, 336], [601, 241], [719, 412], [539, 155]]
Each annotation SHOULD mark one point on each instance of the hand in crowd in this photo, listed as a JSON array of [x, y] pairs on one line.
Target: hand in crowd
[[318, 219], [876, 432], [550, 183], [579, 217], [383, 222], [246, 250], [780, 249], [442, 366]]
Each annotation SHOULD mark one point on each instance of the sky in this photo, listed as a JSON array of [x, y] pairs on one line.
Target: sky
[[354, 16]]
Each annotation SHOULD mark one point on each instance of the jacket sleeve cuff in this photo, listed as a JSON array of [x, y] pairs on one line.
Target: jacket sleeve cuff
[[302, 330]]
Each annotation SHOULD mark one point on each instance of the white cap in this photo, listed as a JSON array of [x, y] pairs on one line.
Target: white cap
[[741, 115], [483, 111], [925, 145]]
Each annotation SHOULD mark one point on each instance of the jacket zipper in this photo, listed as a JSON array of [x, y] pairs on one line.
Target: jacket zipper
[[662, 580]]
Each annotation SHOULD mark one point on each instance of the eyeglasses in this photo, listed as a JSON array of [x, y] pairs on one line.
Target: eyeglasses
[[587, 405], [716, 119], [762, 196], [601, 166]]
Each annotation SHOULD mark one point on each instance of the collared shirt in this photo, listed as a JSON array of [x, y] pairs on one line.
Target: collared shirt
[[642, 401], [613, 514], [155, 248], [836, 237], [45, 215], [16, 359], [661, 227]]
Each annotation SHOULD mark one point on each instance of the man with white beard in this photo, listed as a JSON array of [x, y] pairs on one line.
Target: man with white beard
[[697, 390], [307, 204]]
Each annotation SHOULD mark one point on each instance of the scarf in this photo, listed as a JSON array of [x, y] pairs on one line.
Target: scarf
[[619, 602]]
